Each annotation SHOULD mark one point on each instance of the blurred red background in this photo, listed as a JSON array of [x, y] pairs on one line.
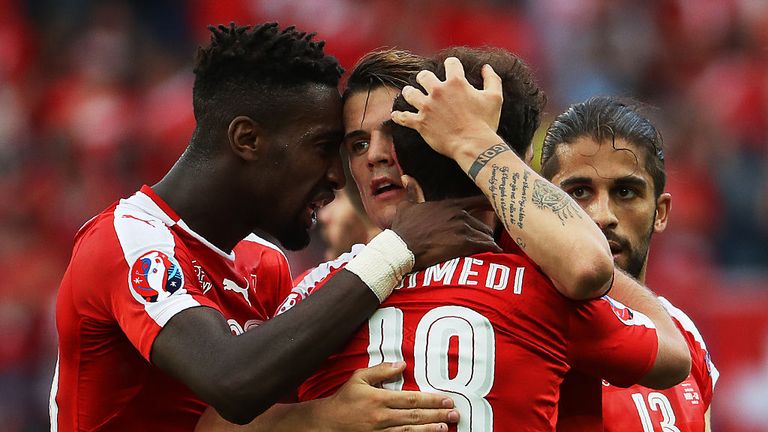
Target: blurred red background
[[95, 100]]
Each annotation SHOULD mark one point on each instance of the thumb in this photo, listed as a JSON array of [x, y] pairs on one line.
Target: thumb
[[381, 372], [413, 190]]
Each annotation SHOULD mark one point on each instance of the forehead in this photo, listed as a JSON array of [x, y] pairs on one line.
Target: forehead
[[367, 111], [318, 112], [600, 160]]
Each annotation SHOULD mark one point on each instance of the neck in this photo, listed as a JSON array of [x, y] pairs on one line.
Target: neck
[[206, 200]]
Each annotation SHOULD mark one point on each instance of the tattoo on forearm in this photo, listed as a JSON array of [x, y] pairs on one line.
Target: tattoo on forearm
[[523, 200], [486, 157], [547, 196], [504, 189], [497, 185], [520, 242]]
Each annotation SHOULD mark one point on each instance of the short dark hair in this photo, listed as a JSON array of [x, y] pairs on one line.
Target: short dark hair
[[604, 119], [254, 71], [390, 67], [385, 67], [439, 176]]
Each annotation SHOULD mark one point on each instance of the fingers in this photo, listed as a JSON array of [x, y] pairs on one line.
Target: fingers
[[414, 96], [491, 80], [421, 420], [428, 80], [380, 373], [413, 190], [453, 68], [478, 202], [440, 427], [427, 418], [405, 118], [417, 400]]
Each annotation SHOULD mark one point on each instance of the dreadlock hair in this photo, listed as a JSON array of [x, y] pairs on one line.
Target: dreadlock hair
[[440, 177], [255, 71], [605, 119]]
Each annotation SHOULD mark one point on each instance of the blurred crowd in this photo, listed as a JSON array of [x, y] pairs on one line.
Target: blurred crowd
[[95, 100]]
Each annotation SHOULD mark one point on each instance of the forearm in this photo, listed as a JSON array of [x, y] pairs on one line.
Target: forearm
[[241, 376], [673, 359], [542, 219]]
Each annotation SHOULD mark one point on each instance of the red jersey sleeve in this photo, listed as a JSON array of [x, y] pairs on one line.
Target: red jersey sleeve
[[155, 281], [703, 370], [611, 341]]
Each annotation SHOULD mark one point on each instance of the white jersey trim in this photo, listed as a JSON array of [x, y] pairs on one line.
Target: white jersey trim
[[314, 277], [230, 256], [637, 319], [139, 232], [690, 327], [53, 407]]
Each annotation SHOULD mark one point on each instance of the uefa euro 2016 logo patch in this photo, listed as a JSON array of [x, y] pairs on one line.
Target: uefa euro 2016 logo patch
[[155, 276]]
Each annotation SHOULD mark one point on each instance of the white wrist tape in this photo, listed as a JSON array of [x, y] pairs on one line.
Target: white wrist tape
[[383, 263]]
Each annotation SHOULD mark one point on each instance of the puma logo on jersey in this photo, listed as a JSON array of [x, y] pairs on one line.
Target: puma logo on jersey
[[231, 286]]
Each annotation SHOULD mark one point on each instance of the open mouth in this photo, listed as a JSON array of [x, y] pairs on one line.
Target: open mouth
[[384, 187], [315, 206]]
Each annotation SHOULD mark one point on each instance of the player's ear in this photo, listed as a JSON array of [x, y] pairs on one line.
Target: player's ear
[[245, 138], [663, 206], [413, 190]]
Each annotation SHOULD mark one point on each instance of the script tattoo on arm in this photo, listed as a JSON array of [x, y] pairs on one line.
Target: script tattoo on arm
[[547, 196], [504, 189]]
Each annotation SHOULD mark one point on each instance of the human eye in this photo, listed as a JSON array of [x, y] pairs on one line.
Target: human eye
[[626, 192], [579, 192], [359, 147]]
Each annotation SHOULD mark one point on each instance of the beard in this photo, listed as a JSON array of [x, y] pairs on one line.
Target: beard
[[294, 236], [635, 256]]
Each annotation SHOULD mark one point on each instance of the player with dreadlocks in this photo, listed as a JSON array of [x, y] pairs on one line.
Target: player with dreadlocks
[[160, 283]]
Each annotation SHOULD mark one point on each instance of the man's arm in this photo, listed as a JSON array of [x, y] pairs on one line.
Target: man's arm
[[357, 407], [673, 359], [242, 376], [460, 122]]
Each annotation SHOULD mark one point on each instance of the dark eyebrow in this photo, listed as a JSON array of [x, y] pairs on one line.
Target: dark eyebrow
[[575, 180], [631, 180], [359, 133]]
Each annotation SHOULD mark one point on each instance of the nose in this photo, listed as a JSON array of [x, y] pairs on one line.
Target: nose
[[335, 173], [602, 213], [380, 150]]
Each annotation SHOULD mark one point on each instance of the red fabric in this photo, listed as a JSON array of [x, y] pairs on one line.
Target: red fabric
[[466, 331], [107, 326]]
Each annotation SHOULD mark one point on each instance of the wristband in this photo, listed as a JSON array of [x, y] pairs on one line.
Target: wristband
[[484, 157], [383, 263]]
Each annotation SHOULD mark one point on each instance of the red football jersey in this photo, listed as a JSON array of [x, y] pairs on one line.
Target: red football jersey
[[135, 266], [588, 405], [680, 408], [491, 332]]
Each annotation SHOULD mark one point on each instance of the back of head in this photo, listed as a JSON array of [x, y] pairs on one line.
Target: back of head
[[604, 119], [439, 176], [258, 72]]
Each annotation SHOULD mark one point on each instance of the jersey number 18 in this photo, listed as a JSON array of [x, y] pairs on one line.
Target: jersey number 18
[[473, 379]]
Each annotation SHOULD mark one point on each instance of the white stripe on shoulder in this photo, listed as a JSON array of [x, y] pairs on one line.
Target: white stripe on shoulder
[[53, 407], [690, 327], [141, 233]]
